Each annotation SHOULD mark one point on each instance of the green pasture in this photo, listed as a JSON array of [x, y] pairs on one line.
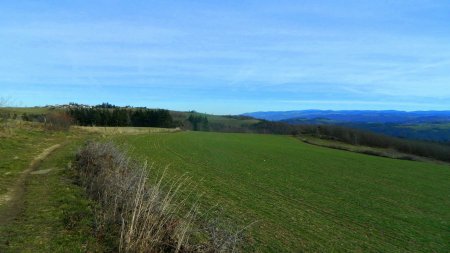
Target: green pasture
[[308, 198]]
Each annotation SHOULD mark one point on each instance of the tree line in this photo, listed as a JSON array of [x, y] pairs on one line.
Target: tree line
[[199, 122], [115, 116]]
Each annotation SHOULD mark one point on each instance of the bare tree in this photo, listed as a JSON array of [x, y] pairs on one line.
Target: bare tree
[[3, 101], [4, 115]]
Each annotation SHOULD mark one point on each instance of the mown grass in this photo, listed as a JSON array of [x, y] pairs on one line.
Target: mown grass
[[28, 110], [125, 130], [310, 198], [219, 122], [384, 152], [229, 121]]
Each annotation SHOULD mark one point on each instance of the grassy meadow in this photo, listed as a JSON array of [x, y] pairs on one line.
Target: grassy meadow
[[296, 196], [309, 198]]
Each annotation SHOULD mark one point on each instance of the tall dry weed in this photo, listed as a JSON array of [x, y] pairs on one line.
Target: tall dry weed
[[135, 214]]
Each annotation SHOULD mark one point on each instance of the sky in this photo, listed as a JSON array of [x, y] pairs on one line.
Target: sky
[[227, 57]]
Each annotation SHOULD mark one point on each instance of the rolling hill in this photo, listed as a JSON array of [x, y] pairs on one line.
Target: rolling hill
[[296, 196], [308, 198], [418, 125], [357, 116]]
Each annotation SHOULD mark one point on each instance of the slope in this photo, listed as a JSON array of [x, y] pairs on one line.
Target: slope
[[309, 198]]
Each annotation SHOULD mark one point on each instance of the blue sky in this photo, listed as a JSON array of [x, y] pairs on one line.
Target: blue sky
[[227, 57]]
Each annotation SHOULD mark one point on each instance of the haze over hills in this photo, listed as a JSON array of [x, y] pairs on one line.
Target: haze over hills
[[359, 116], [419, 125]]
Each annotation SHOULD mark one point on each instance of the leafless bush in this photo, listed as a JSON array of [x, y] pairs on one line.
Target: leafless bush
[[5, 129], [3, 101], [58, 121], [136, 215]]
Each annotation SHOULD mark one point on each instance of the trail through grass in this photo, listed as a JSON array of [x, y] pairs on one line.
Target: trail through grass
[[18, 151], [46, 211]]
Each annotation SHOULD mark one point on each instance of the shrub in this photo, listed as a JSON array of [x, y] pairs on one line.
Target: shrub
[[58, 121], [135, 215]]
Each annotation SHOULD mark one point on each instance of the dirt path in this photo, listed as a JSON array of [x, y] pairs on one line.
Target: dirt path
[[12, 201]]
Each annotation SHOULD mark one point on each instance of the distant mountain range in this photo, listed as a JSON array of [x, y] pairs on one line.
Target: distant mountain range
[[421, 125], [355, 116]]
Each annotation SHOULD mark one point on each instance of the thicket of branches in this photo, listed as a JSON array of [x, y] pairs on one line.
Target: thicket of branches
[[5, 116], [357, 137], [57, 121], [138, 212]]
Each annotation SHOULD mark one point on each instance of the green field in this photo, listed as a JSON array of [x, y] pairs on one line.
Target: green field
[[309, 198], [29, 110], [302, 197]]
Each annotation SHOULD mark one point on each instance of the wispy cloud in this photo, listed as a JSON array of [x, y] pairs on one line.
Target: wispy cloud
[[258, 51]]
